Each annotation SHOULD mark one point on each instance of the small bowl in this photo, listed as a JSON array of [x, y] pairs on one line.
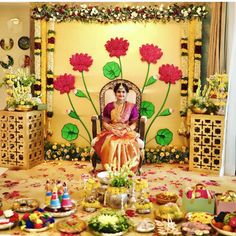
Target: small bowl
[[103, 177], [161, 201]]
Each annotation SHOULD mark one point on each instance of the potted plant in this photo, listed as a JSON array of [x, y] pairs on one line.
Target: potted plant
[[120, 182], [219, 91], [18, 87], [201, 103]]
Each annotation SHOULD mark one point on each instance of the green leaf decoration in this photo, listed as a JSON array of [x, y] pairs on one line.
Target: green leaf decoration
[[151, 80], [73, 115], [70, 132], [111, 70], [164, 137], [166, 112], [147, 109], [80, 94]]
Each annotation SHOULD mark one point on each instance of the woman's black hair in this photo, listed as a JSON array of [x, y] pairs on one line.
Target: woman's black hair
[[117, 86]]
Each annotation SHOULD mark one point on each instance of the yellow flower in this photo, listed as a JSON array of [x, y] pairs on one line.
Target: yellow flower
[[162, 154], [172, 150], [167, 154], [54, 147], [177, 156], [163, 149]]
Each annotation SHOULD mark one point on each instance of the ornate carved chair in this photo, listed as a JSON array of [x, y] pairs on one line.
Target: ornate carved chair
[[107, 95]]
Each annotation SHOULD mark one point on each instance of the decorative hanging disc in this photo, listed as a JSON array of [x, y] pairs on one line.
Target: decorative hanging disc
[[24, 42], [7, 44]]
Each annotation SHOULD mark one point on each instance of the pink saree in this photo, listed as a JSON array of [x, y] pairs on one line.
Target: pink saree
[[111, 148]]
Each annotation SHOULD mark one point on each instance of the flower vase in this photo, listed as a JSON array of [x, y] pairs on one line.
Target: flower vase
[[222, 107]]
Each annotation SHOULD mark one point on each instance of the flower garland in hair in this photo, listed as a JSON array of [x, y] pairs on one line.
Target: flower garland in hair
[[37, 57], [84, 13]]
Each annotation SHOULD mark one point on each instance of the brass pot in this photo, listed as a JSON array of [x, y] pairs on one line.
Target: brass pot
[[115, 200], [24, 107], [198, 110]]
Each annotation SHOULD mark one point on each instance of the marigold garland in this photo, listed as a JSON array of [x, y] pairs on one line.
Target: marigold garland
[[84, 13]]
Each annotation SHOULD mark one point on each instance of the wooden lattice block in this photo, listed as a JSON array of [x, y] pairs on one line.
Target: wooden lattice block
[[206, 142], [21, 137]]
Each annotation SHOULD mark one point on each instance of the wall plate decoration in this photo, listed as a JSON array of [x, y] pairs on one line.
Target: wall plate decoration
[[8, 64], [7, 44], [24, 42]]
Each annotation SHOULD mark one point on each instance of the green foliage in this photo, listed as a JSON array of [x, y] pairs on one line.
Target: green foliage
[[80, 94], [68, 151], [164, 137], [167, 154], [166, 112], [111, 70], [70, 132], [120, 181], [151, 80], [109, 221], [73, 114], [147, 109]]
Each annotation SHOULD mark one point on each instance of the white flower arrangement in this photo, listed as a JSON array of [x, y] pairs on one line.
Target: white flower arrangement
[[18, 86]]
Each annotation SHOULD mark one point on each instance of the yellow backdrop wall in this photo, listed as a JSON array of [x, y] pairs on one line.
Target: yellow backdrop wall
[[73, 37]]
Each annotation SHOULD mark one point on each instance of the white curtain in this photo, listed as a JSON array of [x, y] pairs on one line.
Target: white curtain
[[229, 150]]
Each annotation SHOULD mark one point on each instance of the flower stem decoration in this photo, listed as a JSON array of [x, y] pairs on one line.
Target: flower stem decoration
[[81, 62], [169, 74], [150, 54], [116, 48], [65, 84]]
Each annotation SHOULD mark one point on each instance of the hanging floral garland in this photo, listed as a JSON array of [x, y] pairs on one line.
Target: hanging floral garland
[[7, 65], [50, 71], [37, 57], [84, 13], [184, 67], [197, 55]]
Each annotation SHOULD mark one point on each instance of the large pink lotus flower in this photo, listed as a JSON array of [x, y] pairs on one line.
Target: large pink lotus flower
[[170, 73], [65, 83], [81, 61], [150, 53], [117, 47]]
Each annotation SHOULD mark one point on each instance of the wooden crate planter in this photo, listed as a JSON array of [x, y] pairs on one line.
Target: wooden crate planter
[[206, 142], [21, 138]]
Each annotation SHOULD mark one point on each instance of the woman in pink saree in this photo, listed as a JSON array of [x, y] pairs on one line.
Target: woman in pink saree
[[118, 142]]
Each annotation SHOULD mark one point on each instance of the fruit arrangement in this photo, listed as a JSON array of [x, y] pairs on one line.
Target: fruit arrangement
[[143, 206], [163, 198], [169, 211], [202, 217], [25, 205], [37, 220], [225, 221], [229, 196]]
